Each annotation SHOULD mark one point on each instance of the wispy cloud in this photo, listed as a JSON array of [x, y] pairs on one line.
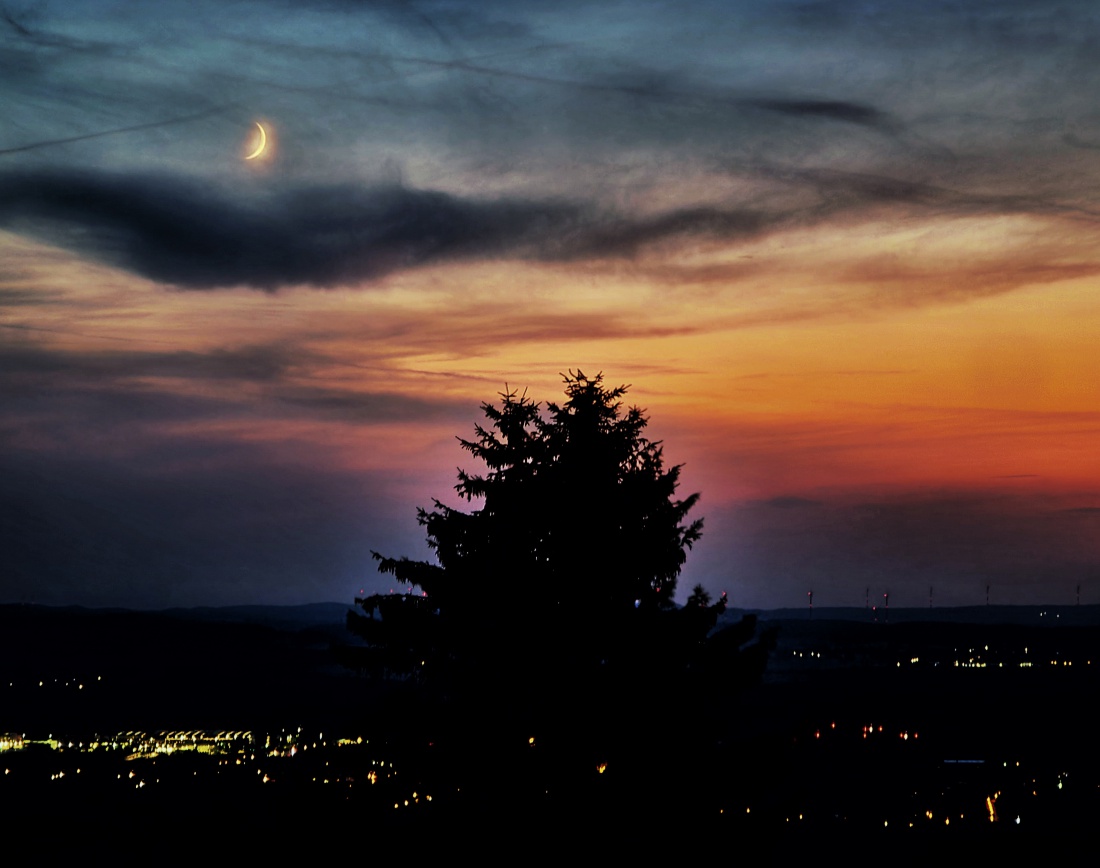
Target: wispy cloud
[[788, 502], [177, 231]]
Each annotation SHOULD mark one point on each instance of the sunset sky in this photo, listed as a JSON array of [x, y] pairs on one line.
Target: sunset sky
[[845, 254]]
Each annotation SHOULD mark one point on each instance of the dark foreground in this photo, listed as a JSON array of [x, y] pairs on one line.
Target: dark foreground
[[906, 739]]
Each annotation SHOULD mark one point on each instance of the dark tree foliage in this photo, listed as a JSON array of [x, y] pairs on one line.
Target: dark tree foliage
[[700, 596], [571, 555], [550, 607]]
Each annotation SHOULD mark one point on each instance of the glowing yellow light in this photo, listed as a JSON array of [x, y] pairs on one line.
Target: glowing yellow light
[[261, 143], [601, 768]]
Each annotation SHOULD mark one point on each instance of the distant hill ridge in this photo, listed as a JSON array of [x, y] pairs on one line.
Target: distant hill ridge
[[328, 614], [1038, 616]]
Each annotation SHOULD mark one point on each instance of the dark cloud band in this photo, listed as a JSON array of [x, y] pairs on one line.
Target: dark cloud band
[[177, 232], [174, 231]]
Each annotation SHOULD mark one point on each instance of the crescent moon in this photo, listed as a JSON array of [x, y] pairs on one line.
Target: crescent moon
[[260, 147]]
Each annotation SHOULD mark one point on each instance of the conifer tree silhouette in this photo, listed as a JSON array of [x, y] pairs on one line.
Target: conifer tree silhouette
[[575, 544], [549, 611]]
